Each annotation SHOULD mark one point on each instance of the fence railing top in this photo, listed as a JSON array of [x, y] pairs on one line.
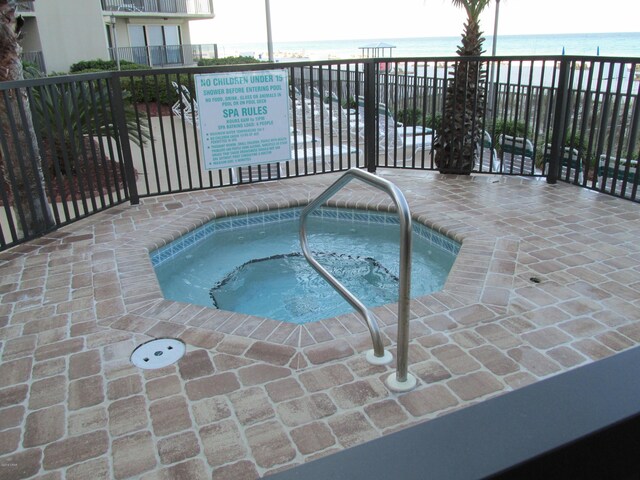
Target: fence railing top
[[56, 80], [355, 63]]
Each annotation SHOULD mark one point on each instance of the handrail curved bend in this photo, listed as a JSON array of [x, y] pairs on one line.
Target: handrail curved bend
[[403, 380]]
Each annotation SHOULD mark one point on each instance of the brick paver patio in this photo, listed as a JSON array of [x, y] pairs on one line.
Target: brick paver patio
[[546, 280]]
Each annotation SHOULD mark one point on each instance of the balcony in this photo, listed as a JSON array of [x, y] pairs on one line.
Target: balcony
[[164, 55], [165, 7], [25, 7]]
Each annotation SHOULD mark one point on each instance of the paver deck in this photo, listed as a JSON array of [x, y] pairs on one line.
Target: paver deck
[[546, 280]]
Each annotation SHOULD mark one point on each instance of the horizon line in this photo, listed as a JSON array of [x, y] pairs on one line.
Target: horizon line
[[438, 36]]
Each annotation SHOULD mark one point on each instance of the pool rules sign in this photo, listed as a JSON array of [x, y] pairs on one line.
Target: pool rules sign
[[244, 118]]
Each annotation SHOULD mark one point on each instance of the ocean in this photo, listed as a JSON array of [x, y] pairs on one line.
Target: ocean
[[604, 44]]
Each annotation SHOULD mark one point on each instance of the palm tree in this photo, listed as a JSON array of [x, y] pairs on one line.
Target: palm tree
[[81, 111], [19, 156], [463, 112]]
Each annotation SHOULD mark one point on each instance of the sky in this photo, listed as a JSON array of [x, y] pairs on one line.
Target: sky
[[244, 21]]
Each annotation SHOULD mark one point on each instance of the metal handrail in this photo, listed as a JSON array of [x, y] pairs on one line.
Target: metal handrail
[[403, 380]]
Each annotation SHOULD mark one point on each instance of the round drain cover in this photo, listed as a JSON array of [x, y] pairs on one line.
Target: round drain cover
[[158, 353]]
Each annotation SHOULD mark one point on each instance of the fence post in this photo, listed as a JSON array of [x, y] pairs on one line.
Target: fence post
[[123, 137], [559, 116], [370, 147]]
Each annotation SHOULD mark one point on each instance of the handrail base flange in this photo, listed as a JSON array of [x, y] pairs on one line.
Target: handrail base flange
[[396, 386], [386, 359]]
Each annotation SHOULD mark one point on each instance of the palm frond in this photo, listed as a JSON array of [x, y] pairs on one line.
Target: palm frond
[[473, 7], [82, 108]]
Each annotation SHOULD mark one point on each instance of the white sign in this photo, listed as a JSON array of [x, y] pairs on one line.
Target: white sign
[[244, 118]]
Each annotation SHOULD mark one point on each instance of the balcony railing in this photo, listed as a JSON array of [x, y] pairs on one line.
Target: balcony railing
[[164, 55], [25, 6], [187, 7]]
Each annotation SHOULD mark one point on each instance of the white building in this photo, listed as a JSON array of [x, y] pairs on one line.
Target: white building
[[151, 32]]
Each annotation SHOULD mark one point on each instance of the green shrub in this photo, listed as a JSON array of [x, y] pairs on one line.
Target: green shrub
[[207, 62], [509, 127], [100, 65], [413, 116], [30, 65], [433, 121], [155, 89], [574, 142], [582, 147], [350, 103], [543, 148], [133, 66], [56, 74], [91, 65], [142, 89], [88, 70], [410, 116]]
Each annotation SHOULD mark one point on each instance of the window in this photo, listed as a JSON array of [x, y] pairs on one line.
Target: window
[[109, 36], [172, 43], [138, 42], [156, 45]]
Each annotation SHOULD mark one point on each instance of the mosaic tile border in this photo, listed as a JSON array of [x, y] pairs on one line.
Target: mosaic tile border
[[162, 254]]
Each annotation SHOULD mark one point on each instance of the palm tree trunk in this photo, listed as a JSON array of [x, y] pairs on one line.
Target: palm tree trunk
[[20, 156], [461, 129]]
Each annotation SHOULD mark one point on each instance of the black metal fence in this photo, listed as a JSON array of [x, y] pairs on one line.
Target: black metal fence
[[104, 139], [74, 166]]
